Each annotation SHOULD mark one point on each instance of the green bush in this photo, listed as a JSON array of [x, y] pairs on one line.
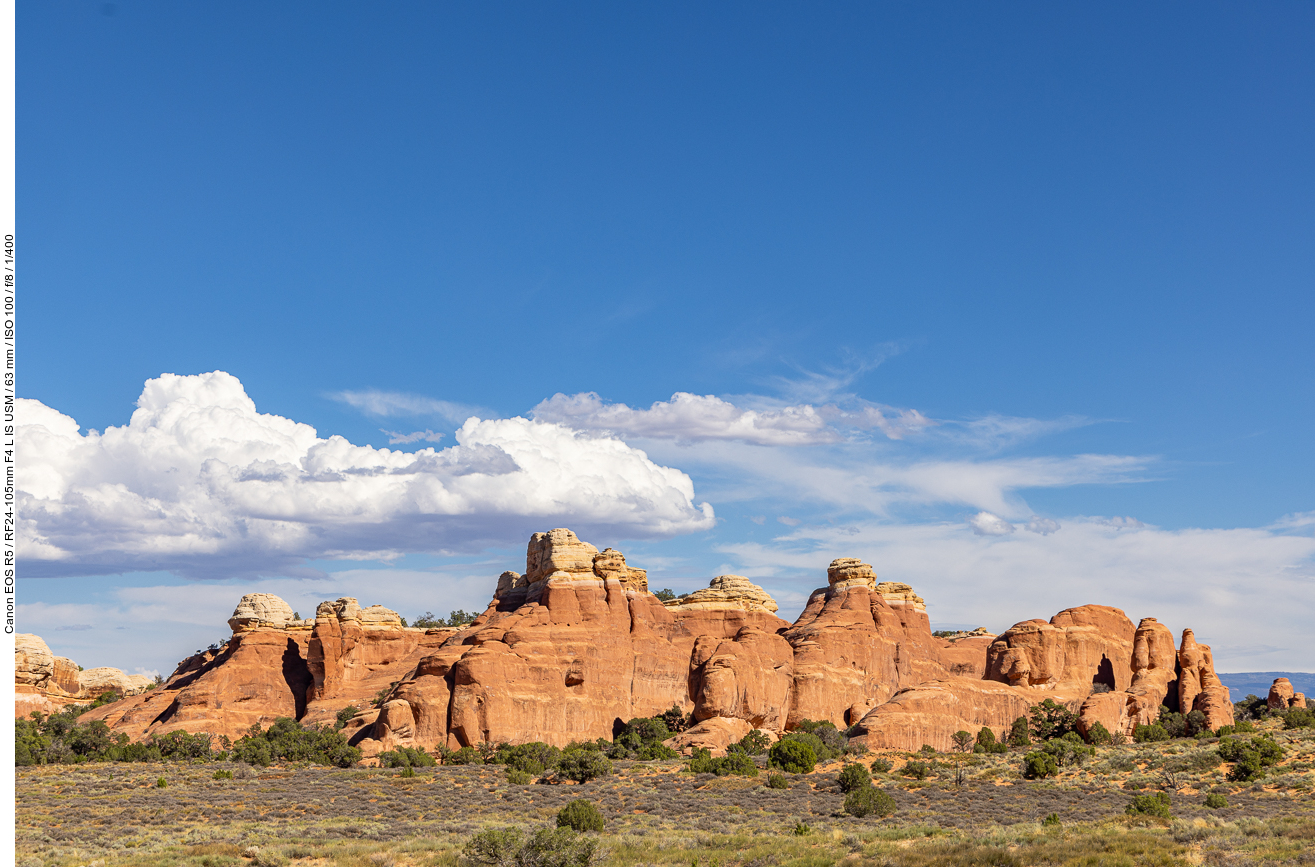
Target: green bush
[[406, 757], [792, 756], [987, 743], [676, 719], [518, 778], [880, 766], [558, 847], [777, 781], [345, 716], [1018, 736], [287, 740], [580, 815], [1143, 734], [739, 764], [1298, 718], [1069, 750], [755, 743], [464, 756], [963, 741], [802, 829], [223, 775], [407, 772], [869, 800], [534, 758], [1154, 804], [1051, 821], [1039, 764], [917, 770], [583, 765], [497, 848], [1216, 801], [1098, 735], [161, 783], [1049, 720], [1251, 756], [854, 777]]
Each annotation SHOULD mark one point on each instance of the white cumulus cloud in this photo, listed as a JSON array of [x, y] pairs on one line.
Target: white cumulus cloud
[[1044, 526], [986, 524], [200, 482]]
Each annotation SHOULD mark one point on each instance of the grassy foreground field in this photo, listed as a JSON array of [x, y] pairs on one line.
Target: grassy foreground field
[[657, 814]]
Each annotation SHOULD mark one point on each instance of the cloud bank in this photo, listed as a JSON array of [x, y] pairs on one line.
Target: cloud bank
[[201, 483]]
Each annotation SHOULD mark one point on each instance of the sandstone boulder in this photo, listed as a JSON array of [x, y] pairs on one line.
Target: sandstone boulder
[[734, 592], [714, 734], [34, 664], [256, 610], [1281, 694]]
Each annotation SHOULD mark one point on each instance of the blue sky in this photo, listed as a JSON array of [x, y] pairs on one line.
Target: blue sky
[[1025, 265]]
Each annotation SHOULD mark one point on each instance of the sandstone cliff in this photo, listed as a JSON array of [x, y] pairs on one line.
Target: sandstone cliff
[[46, 683], [577, 645]]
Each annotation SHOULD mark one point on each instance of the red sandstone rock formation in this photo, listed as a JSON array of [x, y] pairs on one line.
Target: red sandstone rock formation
[[1282, 696], [577, 645]]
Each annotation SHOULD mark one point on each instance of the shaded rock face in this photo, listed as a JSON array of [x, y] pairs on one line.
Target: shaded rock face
[[46, 683], [576, 645]]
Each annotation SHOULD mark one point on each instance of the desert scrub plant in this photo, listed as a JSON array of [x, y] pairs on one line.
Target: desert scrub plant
[[161, 783], [1049, 720], [222, 775], [792, 756], [1155, 804], [802, 829], [1099, 736], [987, 743], [519, 778], [1039, 764], [1018, 736], [880, 766], [406, 757], [1251, 756], [1051, 821], [288, 740], [869, 800], [739, 764], [533, 758], [580, 815], [495, 848], [853, 777], [777, 781], [1216, 801], [464, 756], [917, 770], [583, 765], [1144, 734], [755, 743]]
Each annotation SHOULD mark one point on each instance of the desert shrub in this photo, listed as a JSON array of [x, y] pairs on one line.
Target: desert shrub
[[1049, 720], [533, 758], [497, 848], [583, 765], [1098, 735], [755, 743], [161, 783], [1251, 756], [580, 815], [927, 749], [287, 740], [1143, 734], [1298, 718], [739, 764], [777, 781], [917, 770], [1225, 731], [344, 716], [676, 719], [880, 766], [1051, 821], [1069, 751], [1216, 801], [407, 772], [406, 757], [266, 858], [802, 829], [1243, 726], [986, 742], [1039, 764], [792, 756], [557, 847], [518, 778], [853, 777], [1018, 735], [223, 775], [869, 800], [464, 756], [666, 594], [963, 741], [1154, 804], [1251, 707], [825, 742]]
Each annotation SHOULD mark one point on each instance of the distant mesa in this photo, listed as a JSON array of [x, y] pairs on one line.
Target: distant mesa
[[577, 643]]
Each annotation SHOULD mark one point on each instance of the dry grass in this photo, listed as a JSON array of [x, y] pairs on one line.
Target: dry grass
[[115, 815]]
